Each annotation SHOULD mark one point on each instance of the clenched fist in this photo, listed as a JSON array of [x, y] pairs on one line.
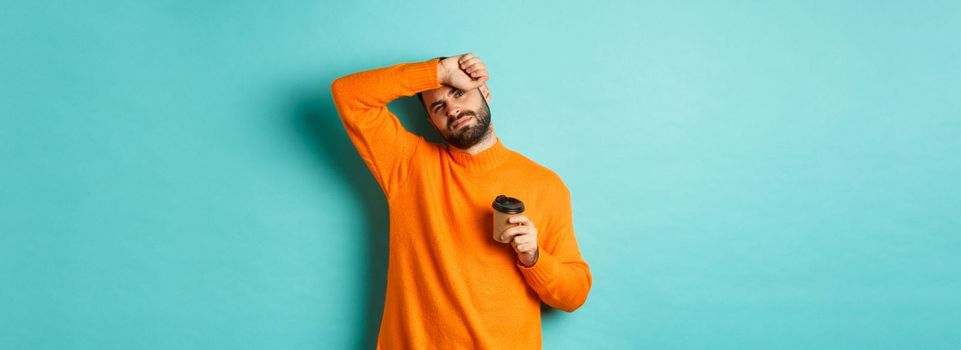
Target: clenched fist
[[464, 72], [523, 238]]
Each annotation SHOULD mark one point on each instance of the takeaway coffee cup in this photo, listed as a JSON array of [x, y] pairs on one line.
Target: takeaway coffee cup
[[505, 207]]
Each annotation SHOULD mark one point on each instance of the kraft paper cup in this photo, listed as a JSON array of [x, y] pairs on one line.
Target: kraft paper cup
[[504, 208]]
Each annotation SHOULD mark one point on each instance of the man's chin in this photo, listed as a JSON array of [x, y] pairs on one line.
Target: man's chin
[[460, 132], [465, 139]]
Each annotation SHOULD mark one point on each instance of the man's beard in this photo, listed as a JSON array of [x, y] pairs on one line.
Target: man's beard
[[472, 134]]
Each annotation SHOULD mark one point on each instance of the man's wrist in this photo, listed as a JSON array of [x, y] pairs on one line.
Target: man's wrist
[[533, 259], [441, 71]]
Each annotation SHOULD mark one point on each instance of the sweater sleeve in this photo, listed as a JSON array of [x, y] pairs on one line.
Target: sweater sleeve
[[560, 276], [382, 141]]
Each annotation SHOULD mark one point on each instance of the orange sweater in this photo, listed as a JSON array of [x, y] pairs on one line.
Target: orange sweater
[[449, 284]]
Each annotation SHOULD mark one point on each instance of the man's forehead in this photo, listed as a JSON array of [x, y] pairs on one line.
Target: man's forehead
[[438, 92]]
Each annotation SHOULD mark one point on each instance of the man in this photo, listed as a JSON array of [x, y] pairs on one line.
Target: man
[[450, 285]]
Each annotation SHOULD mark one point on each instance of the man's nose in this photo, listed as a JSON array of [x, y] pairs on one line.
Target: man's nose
[[453, 111]]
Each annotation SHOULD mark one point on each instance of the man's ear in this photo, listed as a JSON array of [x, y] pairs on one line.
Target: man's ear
[[486, 92]]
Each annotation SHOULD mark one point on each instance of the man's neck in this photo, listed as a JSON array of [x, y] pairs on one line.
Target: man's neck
[[489, 140]]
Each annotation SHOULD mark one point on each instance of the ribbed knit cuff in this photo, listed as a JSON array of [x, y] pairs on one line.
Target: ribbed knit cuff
[[422, 76], [544, 270]]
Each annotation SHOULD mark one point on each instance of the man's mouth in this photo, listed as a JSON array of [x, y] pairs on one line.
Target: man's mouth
[[460, 122]]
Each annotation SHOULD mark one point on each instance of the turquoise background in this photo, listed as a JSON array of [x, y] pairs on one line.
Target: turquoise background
[[745, 174]]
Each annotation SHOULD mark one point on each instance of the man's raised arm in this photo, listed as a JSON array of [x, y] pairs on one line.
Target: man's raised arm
[[361, 100]]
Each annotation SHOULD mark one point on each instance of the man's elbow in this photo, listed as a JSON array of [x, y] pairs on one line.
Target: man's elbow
[[574, 304], [578, 300], [338, 91], [336, 87]]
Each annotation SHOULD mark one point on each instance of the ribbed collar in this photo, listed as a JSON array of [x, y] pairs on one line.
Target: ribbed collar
[[486, 159]]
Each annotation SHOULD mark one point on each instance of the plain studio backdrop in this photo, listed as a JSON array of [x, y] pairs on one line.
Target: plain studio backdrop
[[744, 174]]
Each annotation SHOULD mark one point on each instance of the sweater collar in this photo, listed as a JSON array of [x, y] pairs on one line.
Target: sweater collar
[[486, 159]]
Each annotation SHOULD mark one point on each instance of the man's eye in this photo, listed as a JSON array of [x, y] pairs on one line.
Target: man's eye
[[459, 93]]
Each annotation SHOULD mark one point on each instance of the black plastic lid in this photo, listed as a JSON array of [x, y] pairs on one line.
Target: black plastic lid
[[508, 205]]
